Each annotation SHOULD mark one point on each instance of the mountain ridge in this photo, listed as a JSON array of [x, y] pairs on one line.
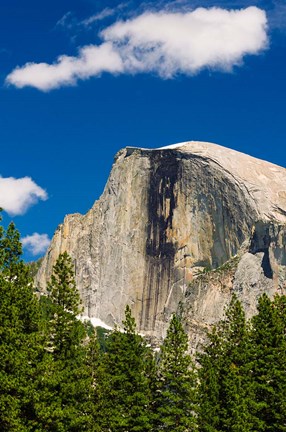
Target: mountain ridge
[[164, 215]]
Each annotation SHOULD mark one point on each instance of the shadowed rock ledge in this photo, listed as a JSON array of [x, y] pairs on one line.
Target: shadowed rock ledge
[[166, 217]]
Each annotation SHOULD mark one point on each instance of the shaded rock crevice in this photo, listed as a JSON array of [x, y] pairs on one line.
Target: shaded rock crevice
[[164, 176]]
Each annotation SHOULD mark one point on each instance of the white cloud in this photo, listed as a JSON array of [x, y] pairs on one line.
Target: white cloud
[[171, 43], [91, 61], [36, 243], [164, 43], [17, 195]]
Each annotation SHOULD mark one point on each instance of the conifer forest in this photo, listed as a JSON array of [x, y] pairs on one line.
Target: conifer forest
[[58, 374]]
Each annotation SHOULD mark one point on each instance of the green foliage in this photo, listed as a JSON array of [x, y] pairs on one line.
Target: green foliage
[[204, 271], [65, 380], [102, 335], [242, 374], [11, 250], [19, 335], [62, 287], [66, 331], [45, 306], [33, 267], [268, 359], [175, 400], [59, 375], [229, 265], [123, 391], [224, 380]]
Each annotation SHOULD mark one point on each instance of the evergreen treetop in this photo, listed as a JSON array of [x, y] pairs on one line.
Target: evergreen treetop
[[123, 387], [20, 338], [175, 401]]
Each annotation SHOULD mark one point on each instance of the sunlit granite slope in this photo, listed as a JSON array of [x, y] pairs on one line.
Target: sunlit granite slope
[[164, 216]]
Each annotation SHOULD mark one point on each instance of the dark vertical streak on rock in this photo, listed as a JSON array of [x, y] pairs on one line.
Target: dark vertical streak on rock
[[160, 251]]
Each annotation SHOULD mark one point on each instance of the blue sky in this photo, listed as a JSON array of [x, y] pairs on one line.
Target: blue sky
[[133, 74]]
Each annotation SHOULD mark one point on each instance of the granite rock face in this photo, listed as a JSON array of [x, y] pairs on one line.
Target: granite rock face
[[168, 220]]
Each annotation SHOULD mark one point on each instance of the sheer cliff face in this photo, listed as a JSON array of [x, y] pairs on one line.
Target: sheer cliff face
[[165, 215]]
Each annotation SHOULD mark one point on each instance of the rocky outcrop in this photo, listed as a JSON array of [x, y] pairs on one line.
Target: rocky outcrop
[[259, 267], [167, 216]]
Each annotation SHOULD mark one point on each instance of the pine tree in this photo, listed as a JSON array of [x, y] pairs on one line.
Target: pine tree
[[64, 383], [19, 335], [210, 360], [268, 359], [93, 364], [235, 394], [65, 329], [175, 402], [123, 385], [225, 390]]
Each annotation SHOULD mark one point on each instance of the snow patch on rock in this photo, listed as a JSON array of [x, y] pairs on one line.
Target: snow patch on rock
[[96, 322]]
